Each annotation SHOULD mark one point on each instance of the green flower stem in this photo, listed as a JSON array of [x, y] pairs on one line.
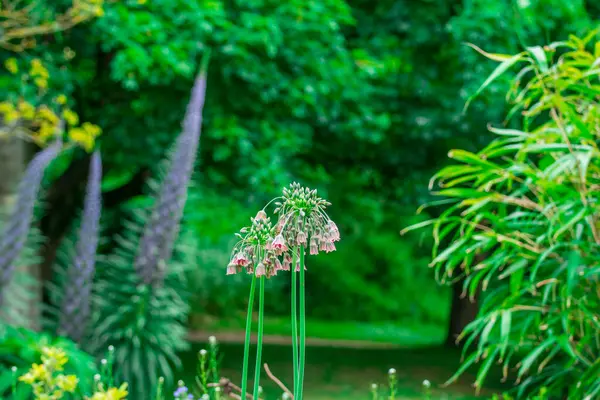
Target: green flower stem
[[247, 340], [261, 318], [302, 326], [294, 321]]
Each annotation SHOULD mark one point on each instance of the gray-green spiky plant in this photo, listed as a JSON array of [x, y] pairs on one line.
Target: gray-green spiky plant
[[76, 288], [19, 241], [141, 291]]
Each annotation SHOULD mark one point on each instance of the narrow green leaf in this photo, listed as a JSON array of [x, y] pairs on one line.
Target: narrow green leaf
[[500, 69]]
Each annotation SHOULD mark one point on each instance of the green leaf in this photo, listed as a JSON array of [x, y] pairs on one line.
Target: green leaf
[[540, 57], [500, 69], [531, 358]]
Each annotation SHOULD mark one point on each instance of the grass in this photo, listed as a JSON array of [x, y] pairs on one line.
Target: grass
[[407, 335]]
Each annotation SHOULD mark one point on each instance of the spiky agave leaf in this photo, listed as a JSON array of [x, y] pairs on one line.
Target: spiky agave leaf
[[75, 302], [19, 242], [143, 310]]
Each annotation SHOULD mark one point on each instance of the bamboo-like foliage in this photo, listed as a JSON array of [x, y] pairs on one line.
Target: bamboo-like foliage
[[530, 203]]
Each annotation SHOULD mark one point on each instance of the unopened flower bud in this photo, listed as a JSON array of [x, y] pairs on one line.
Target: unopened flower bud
[[212, 340], [392, 371]]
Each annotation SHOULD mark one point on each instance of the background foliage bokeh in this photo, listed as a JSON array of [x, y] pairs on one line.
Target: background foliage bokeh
[[360, 99]]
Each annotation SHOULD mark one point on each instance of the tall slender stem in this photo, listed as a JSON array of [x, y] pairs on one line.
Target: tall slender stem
[[261, 318], [302, 327], [295, 320], [248, 332]]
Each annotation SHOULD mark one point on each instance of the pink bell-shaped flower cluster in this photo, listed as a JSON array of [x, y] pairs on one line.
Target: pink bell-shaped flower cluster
[[302, 224]]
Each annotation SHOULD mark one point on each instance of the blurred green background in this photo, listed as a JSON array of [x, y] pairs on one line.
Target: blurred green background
[[360, 99]]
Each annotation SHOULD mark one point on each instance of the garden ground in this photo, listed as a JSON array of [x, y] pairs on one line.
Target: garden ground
[[341, 364]]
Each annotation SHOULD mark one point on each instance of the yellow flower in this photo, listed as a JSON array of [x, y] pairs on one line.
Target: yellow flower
[[11, 116], [41, 83], [91, 129], [68, 383], [55, 357], [117, 394], [38, 372], [26, 109], [38, 69], [6, 107], [46, 131], [58, 394], [84, 139], [28, 378], [98, 11], [11, 65], [46, 114], [70, 116], [61, 99]]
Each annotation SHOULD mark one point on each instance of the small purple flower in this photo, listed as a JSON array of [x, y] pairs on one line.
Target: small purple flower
[[181, 391]]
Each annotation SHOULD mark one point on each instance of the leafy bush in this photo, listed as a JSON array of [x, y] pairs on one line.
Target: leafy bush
[[21, 348], [522, 225]]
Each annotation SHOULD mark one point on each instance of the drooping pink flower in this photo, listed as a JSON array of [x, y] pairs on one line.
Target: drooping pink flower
[[301, 238], [278, 266], [314, 247], [329, 247], [298, 267], [240, 259], [260, 270], [333, 230], [279, 244], [261, 215], [231, 269], [250, 269], [287, 262], [322, 245]]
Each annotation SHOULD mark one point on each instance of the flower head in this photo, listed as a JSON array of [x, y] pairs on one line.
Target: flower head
[[254, 243], [302, 220]]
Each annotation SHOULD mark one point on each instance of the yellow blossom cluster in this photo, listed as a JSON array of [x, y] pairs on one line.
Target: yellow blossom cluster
[[111, 393], [46, 379], [40, 122], [48, 383]]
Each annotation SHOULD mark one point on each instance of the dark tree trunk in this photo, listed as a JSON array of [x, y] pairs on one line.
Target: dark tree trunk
[[463, 311]]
